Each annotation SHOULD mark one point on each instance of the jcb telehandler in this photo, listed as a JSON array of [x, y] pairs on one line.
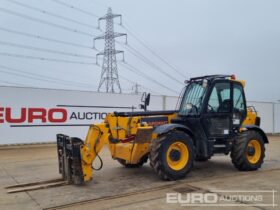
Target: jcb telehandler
[[212, 118]]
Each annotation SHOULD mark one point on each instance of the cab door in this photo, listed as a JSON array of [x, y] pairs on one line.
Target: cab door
[[217, 117], [239, 106]]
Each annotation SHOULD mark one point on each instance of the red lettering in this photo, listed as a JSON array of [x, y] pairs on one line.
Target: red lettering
[[54, 115], [1, 115], [9, 118], [53, 119], [37, 113]]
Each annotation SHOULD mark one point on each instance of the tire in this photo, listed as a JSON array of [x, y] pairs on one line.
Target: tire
[[137, 165], [172, 155], [243, 157]]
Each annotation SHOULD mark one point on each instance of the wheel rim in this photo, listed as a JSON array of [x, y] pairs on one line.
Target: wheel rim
[[177, 156], [253, 151]]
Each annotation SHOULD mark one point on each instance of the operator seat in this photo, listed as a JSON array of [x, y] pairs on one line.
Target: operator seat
[[225, 106]]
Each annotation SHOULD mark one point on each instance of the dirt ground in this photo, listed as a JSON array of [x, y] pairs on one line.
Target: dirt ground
[[116, 187]]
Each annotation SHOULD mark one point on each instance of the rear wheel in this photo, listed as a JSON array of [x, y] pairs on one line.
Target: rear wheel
[[248, 151], [172, 155]]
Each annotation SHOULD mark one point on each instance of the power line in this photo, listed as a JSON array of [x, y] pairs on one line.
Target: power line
[[25, 76], [99, 3], [142, 42], [44, 58], [138, 39], [76, 8], [142, 57], [12, 83], [55, 80], [30, 77], [45, 12], [133, 82], [44, 38], [41, 77], [150, 90], [148, 77], [126, 27], [44, 50], [139, 55], [17, 84], [1, 66], [45, 22], [142, 74]]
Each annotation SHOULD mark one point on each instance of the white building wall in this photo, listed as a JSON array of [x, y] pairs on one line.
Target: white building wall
[[47, 99], [265, 111], [171, 102], [18, 98], [277, 118]]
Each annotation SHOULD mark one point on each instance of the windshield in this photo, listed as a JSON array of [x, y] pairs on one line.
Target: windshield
[[192, 100]]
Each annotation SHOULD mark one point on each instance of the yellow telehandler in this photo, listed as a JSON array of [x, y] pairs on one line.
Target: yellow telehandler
[[212, 118]]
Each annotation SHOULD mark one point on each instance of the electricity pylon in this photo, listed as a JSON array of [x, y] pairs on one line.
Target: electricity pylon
[[109, 80]]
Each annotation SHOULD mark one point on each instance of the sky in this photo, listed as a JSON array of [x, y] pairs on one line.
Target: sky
[[172, 41]]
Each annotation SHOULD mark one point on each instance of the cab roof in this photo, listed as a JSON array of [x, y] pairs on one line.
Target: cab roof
[[211, 77], [214, 77]]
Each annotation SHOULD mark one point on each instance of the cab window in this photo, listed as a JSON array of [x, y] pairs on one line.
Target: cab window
[[238, 100], [219, 100]]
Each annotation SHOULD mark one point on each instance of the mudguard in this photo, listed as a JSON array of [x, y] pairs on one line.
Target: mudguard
[[162, 129], [258, 129]]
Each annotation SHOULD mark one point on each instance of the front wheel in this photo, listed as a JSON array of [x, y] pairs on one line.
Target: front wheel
[[248, 151], [172, 155]]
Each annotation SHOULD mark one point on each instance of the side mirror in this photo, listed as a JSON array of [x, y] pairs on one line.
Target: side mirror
[[143, 97], [146, 101]]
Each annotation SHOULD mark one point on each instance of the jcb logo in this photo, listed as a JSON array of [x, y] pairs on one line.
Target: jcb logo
[[29, 115]]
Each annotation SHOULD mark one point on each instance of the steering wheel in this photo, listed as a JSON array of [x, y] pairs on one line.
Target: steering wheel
[[195, 107]]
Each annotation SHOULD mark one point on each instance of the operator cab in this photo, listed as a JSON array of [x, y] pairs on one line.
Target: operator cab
[[214, 107]]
